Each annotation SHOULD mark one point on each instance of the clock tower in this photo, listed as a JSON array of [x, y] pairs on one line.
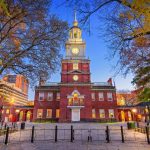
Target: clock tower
[[75, 46], [76, 98], [75, 83], [75, 66]]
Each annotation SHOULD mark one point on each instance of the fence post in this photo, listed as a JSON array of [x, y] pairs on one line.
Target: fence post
[[32, 135], [71, 140], [122, 134], [56, 133], [107, 134], [147, 134], [7, 135]]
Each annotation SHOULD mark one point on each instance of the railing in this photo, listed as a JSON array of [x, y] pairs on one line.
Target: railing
[[51, 84], [106, 134], [76, 103], [101, 83]]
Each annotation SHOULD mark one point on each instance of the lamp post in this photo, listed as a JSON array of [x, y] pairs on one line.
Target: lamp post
[[1, 109], [148, 112]]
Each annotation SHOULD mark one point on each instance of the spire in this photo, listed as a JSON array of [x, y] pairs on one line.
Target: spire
[[75, 17], [75, 23]]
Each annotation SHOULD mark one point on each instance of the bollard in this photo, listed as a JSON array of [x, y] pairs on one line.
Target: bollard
[[122, 134], [107, 134], [7, 135], [56, 133], [5, 127], [72, 136], [32, 135], [147, 134]]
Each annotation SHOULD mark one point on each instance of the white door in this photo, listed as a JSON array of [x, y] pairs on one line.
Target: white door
[[75, 114]]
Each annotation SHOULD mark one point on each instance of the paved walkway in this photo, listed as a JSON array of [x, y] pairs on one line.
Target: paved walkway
[[44, 132], [75, 146]]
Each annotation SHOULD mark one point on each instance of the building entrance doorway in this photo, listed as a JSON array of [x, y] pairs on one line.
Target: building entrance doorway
[[75, 116]]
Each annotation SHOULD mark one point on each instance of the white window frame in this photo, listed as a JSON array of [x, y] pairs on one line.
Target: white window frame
[[58, 96], [39, 112], [50, 96], [111, 111], [101, 111], [93, 113], [57, 113], [101, 98], [41, 95], [110, 96], [93, 96], [47, 116], [75, 66]]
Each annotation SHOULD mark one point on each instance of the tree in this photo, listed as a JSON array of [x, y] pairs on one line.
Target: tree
[[30, 39], [144, 95], [127, 29], [3, 7]]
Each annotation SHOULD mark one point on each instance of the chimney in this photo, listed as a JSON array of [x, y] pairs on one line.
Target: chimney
[[110, 81]]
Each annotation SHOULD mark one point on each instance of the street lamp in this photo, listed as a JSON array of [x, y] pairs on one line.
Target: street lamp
[[148, 112]]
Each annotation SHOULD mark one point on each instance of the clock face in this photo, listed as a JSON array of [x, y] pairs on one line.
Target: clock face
[[75, 51], [75, 78]]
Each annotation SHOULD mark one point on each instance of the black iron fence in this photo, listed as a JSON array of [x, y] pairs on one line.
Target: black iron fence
[[107, 134]]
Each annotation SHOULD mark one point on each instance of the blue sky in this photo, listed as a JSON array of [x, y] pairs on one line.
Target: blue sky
[[96, 50]]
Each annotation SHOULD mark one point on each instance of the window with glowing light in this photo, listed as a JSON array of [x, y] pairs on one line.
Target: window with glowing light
[[49, 113], [93, 113], [101, 113], [57, 113], [111, 113], [39, 113]]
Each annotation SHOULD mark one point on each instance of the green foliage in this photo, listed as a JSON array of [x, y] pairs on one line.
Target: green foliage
[[144, 95], [142, 76]]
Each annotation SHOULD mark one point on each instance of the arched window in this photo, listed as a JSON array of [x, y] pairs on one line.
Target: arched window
[[75, 35]]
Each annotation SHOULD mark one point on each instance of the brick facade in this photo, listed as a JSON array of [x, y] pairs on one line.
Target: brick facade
[[75, 89]]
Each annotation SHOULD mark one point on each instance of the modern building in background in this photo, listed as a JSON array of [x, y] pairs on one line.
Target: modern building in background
[[14, 99], [19, 81], [76, 97]]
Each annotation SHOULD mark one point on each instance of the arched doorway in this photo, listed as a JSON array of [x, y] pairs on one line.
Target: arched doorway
[[122, 116], [28, 116], [21, 116]]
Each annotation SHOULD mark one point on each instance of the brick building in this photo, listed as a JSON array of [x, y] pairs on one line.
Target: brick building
[[75, 98], [14, 104]]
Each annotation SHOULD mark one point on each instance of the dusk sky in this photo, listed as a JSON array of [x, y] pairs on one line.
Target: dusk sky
[[96, 50]]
